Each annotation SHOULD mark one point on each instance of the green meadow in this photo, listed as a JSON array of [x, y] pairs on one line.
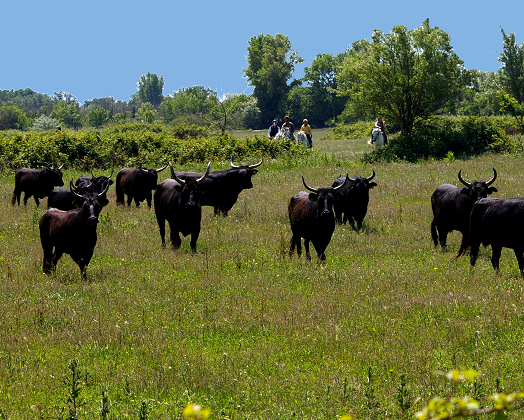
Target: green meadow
[[244, 330]]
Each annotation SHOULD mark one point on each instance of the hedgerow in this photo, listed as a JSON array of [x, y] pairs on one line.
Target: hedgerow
[[133, 144]]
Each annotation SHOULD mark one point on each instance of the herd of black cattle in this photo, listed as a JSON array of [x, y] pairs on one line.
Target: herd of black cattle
[[69, 224]]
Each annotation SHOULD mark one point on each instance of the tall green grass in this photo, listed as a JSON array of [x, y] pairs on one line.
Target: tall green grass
[[247, 332]]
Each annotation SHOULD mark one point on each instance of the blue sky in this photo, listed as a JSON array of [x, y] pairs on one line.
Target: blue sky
[[101, 48]]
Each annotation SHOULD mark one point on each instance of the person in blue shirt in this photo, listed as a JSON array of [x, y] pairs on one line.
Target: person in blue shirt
[[274, 129]]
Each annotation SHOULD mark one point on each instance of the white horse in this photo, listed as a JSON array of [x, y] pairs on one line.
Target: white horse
[[284, 133], [377, 139], [302, 139]]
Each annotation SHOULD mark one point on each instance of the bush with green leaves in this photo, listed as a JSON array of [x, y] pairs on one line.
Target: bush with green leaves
[[435, 137], [134, 144], [13, 118], [44, 123]]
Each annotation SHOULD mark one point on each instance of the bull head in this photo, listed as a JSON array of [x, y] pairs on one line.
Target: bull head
[[249, 166], [467, 184], [182, 182]]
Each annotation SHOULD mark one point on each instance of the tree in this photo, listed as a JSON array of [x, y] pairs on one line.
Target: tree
[[403, 75], [147, 113], [481, 98], [150, 89], [271, 63], [97, 117], [13, 118], [64, 96], [321, 78], [512, 71], [191, 101], [510, 105], [69, 115], [44, 123]]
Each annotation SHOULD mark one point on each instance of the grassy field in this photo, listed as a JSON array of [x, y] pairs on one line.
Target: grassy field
[[247, 332]]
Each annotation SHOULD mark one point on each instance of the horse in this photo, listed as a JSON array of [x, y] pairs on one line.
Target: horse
[[285, 133], [302, 139], [377, 139]]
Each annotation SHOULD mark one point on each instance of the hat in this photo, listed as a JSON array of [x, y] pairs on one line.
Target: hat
[[274, 121], [286, 117], [305, 120]]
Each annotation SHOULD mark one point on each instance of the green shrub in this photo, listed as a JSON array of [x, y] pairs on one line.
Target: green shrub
[[134, 144], [437, 137]]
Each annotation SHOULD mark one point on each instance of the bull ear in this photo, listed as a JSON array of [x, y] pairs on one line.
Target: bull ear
[[465, 191], [492, 190], [372, 184], [313, 196]]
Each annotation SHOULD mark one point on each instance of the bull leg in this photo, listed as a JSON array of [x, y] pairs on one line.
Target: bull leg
[[434, 235], [519, 253], [193, 243], [351, 221], [495, 257], [175, 239], [129, 200], [295, 242], [15, 197], [306, 247], [473, 252], [137, 203], [55, 257], [37, 201], [48, 266], [443, 237], [26, 197]]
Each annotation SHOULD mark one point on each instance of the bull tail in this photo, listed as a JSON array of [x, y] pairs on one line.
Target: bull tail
[[119, 193], [464, 247]]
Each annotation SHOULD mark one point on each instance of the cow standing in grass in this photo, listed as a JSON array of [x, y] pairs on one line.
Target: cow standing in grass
[[498, 222], [222, 188], [351, 201], [63, 199], [36, 182], [137, 184], [311, 218], [452, 206], [71, 232], [178, 202]]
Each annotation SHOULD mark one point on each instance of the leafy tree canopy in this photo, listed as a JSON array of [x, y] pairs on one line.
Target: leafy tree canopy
[[13, 118], [403, 75], [150, 89], [512, 71], [271, 63]]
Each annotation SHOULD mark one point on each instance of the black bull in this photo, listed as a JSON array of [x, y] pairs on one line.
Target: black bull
[[65, 199], [221, 188], [498, 222], [137, 184], [178, 202], [311, 217], [36, 182], [71, 232], [452, 206], [351, 201]]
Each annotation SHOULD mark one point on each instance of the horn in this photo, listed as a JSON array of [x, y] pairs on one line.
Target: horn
[[112, 170], [61, 166], [256, 165], [308, 188], [103, 193], [467, 184], [142, 169], [173, 175], [231, 163], [344, 183], [72, 188], [372, 176], [492, 180], [203, 177], [161, 169]]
